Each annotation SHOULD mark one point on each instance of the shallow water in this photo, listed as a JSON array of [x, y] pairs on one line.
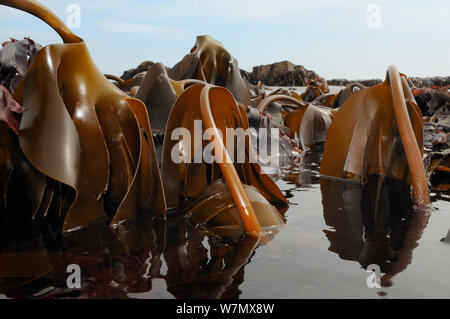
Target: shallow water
[[334, 230]]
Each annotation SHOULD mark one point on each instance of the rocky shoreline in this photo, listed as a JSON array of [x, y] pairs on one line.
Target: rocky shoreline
[[285, 73], [282, 73], [427, 82]]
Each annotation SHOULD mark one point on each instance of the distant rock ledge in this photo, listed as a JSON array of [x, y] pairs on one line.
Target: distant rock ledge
[[344, 82], [427, 82], [282, 73], [286, 73]]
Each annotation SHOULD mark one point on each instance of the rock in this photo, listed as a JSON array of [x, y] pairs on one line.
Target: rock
[[282, 73], [344, 82]]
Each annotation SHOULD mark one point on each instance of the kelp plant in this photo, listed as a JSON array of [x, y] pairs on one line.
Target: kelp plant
[[84, 150], [309, 122], [218, 193], [379, 131], [210, 62]]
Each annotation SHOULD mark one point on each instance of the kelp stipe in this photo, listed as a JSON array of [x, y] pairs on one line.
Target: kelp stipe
[[218, 110]]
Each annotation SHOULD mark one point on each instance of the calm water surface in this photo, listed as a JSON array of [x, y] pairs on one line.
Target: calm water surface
[[334, 230]]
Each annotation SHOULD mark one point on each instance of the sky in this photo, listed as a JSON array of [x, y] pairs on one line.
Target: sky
[[352, 39]]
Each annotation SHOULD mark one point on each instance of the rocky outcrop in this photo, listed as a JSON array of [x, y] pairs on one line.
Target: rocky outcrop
[[282, 73]]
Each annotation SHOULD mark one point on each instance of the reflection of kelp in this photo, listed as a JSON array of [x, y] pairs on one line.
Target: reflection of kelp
[[83, 147], [373, 224], [306, 173], [446, 239], [208, 61], [206, 267], [125, 261], [113, 262]]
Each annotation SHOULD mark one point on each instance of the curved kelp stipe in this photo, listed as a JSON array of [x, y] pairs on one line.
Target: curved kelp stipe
[[217, 109], [378, 131], [83, 132]]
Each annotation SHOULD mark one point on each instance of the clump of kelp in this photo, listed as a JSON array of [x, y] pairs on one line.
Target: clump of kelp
[[76, 148], [82, 153]]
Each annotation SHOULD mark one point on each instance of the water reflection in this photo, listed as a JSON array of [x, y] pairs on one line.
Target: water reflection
[[202, 266], [446, 239], [125, 262], [372, 224]]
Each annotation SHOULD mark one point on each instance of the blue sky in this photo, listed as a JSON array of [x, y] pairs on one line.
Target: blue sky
[[330, 37]]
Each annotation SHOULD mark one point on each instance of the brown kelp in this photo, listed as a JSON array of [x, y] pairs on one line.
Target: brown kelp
[[8, 106], [84, 146], [307, 121], [378, 131], [159, 92], [344, 94], [438, 168], [15, 59], [210, 62], [191, 177], [316, 87]]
